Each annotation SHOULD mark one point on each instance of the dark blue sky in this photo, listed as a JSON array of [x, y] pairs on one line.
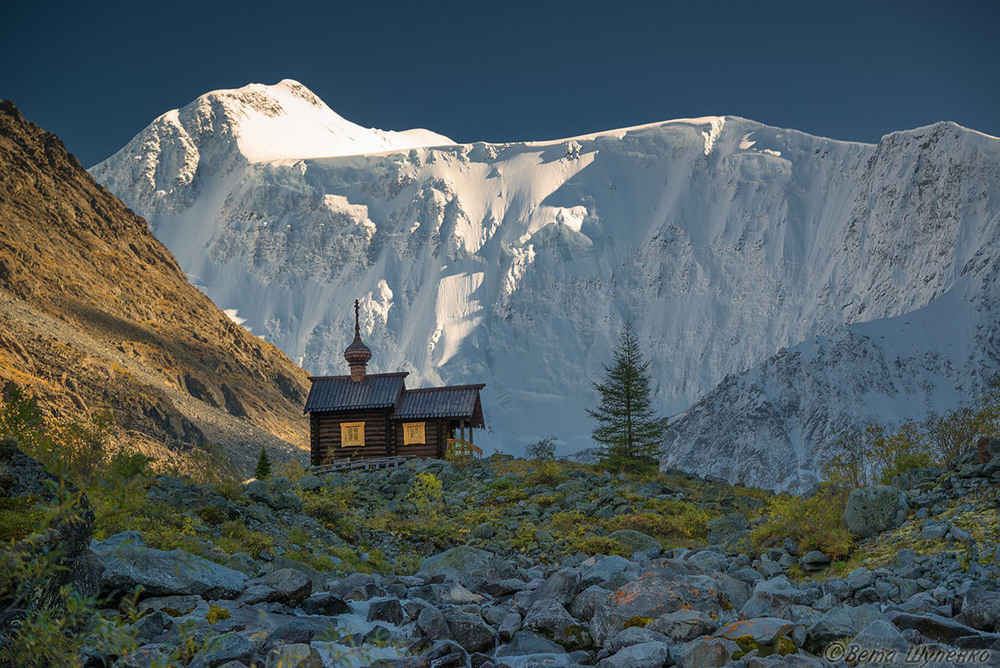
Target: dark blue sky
[[96, 74]]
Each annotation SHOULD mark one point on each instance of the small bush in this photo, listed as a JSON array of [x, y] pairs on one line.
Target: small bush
[[546, 472], [683, 522], [212, 515], [425, 494], [813, 523], [293, 470], [542, 449], [599, 545]]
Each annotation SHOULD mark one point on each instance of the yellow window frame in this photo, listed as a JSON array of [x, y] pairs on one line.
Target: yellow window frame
[[352, 434], [414, 433]]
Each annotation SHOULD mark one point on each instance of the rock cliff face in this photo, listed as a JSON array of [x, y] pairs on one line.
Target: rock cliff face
[[723, 240], [95, 313]]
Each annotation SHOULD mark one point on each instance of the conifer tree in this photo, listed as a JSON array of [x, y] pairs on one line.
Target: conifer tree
[[263, 469], [628, 430]]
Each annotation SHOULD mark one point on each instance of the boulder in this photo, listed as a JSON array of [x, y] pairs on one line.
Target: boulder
[[223, 648], [529, 643], [603, 571], [509, 625], [860, 578], [933, 626], [636, 541], [653, 594], [549, 617], [704, 652], [470, 631], [432, 625], [872, 510], [466, 564], [814, 561], [981, 610], [881, 635], [586, 602], [385, 610], [633, 635], [161, 573], [684, 625], [644, 655], [292, 586], [326, 604], [840, 623]]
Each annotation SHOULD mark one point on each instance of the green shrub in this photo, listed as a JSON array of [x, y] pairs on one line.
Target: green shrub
[[543, 449], [599, 545], [425, 493], [813, 523], [20, 517], [212, 515], [546, 472], [684, 522]]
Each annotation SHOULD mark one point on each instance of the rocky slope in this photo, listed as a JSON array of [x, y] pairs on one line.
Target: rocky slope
[[723, 239], [925, 589], [95, 313]]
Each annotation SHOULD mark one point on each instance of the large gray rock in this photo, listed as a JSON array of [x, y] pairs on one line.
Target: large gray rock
[[872, 510], [684, 625], [933, 626], [762, 631], [586, 602], [470, 631], [644, 655], [841, 623], [293, 586], [704, 652], [634, 540], [161, 573], [466, 564], [604, 571], [560, 586], [551, 618], [220, 649], [387, 610], [774, 597], [657, 593], [981, 610], [881, 635], [432, 625]]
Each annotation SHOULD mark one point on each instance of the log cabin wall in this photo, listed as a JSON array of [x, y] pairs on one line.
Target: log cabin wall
[[326, 445], [435, 439]]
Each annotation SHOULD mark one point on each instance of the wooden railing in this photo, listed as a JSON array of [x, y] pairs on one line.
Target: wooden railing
[[359, 464], [458, 447]]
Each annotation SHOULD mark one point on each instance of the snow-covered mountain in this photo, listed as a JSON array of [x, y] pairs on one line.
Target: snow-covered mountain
[[784, 282]]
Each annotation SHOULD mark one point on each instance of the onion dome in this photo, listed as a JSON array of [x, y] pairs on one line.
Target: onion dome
[[357, 354]]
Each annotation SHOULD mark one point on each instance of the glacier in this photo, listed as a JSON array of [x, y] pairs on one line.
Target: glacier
[[783, 285]]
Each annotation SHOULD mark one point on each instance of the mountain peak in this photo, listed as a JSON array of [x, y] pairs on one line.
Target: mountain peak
[[287, 121]]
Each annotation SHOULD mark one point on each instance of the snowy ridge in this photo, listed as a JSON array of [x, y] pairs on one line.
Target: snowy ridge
[[224, 129], [724, 240]]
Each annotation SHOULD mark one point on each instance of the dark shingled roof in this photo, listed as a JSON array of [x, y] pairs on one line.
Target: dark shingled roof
[[340, 393], [436, 402]]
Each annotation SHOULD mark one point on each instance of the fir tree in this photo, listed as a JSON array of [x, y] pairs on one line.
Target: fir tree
[[628, 430], [263, 469]]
